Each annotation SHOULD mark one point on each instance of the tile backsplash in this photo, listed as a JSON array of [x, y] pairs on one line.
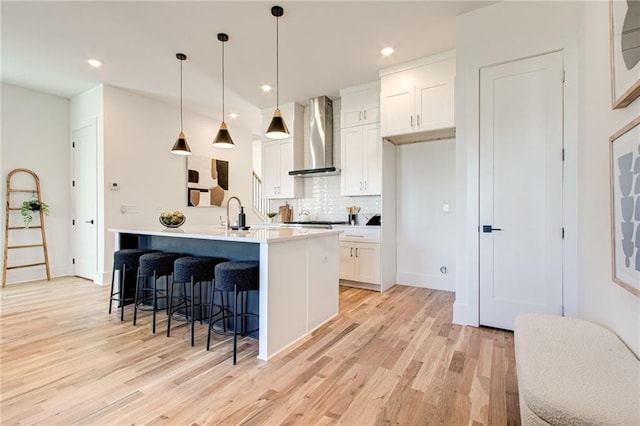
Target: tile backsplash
[[323, 200]]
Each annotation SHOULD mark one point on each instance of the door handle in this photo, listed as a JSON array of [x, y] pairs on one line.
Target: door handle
[[89, 221], [488, 228], [351, 253]]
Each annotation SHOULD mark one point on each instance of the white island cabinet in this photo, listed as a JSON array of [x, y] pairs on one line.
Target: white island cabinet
[[298, 272]]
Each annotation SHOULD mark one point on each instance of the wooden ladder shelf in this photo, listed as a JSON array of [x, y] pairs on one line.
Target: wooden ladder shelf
[[11, 208]]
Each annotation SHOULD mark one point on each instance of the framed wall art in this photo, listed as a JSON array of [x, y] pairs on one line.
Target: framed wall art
[[207, 181], [624, 23], [624, 154]]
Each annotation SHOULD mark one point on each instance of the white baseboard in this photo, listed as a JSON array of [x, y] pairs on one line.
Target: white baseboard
[[435, 282], [461, 315], [358, 284]]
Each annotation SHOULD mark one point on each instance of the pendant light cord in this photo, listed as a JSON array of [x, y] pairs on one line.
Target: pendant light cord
[[277, 63], [223, 116], [181, 95]]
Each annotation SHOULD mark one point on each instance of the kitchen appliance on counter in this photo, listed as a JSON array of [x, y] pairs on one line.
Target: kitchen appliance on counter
[[374, 220]]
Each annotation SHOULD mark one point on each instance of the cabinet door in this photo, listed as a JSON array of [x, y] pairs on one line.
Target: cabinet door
[[373, 161], [435, 105], [367, 262], [351, 116], [352, 150], [285, 154], [371, 113], [270, 169], [347, 261], [397, 109]]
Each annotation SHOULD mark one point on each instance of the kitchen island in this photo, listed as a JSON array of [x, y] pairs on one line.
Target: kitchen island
[[298, 271]]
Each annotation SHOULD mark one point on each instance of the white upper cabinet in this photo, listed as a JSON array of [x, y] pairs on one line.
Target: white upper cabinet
[[361, 152], [360, 105], [360, 142], [418, 99], [280, 156]]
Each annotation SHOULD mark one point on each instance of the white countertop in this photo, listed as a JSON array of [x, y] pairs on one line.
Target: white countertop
[[204, 232]]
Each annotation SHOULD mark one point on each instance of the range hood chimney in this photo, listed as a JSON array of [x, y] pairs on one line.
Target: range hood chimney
[[319, 161]]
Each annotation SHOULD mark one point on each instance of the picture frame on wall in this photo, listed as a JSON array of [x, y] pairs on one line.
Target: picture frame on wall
[[207, 181], [624, 23], [624, 155]]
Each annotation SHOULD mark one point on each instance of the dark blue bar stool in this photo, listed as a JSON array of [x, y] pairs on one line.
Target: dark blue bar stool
[[153, 266], [192, 270], [239, 278], [125, 260]]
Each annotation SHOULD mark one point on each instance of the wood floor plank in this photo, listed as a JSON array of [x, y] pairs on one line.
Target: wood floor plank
[[386, 358]]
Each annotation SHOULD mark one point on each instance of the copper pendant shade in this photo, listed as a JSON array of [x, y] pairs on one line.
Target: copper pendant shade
[[181, 147], [278, 128], [223, 138]]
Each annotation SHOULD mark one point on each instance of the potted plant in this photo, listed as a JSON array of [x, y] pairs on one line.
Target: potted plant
[[271, 215], [29, 207]]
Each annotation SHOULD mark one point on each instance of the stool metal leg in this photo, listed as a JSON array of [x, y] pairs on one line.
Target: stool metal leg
[[113, 276], [123, 274], [193, 313], [211, 293], [135, 300], [235, 323], [170, 303], [154, 289]]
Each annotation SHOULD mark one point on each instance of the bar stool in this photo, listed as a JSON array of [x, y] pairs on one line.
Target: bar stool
[[239, 278], [193, 270], [125, 260], [153, 265]]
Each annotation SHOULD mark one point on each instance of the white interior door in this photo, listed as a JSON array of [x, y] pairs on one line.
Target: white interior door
[[521, 189], [85, 200]]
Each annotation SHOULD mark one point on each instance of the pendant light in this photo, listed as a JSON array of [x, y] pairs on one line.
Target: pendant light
[[223, 138], [278, 128], [181, 147]]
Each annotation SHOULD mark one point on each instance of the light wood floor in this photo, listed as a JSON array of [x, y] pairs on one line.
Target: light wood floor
[[391, 358]]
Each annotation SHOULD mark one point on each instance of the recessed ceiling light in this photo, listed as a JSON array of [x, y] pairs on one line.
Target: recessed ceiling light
[[96, 63], [387, 51], [233, 115], [266, 87]]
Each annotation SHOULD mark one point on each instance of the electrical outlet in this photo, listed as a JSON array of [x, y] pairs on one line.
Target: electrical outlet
[[128, 209], [445, 208]]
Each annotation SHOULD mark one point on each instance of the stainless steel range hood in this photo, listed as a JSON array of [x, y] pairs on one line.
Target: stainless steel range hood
[[319, 161]]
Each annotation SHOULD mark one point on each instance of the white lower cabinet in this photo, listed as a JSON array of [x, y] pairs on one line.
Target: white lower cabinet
[[360, 262]]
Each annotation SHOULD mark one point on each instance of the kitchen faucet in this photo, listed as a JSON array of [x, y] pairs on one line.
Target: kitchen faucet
[[239, 205]]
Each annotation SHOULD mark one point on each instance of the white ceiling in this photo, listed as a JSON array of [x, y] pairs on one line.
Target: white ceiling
[[324, 46]]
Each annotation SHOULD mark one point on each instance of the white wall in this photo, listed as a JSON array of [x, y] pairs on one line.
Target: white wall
[[426, 181], [35, 135], [138, 135], [600, 299], [495, 34]]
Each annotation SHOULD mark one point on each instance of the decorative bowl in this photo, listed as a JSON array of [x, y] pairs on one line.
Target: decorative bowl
[[172, 220]]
